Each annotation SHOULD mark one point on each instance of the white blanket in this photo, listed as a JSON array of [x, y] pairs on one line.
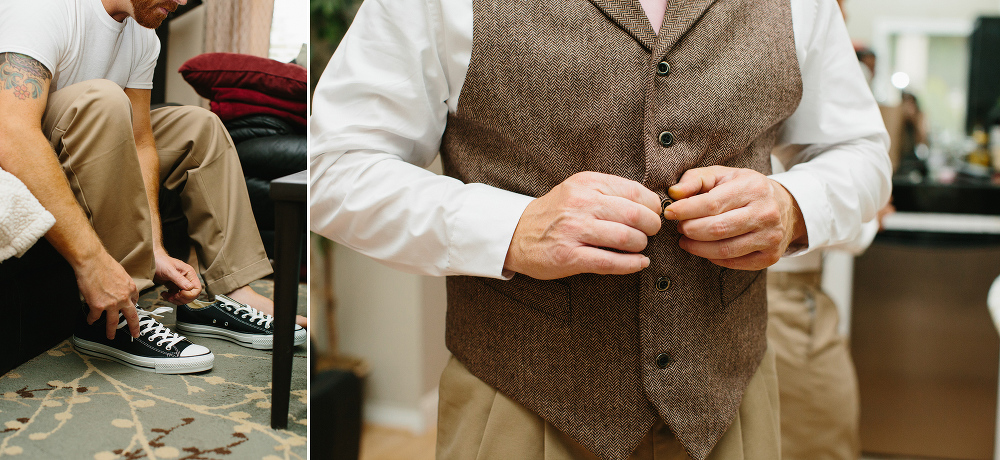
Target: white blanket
[[23, 220]]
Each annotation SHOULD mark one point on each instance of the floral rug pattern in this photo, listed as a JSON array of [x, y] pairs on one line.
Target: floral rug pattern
[[62, 404]]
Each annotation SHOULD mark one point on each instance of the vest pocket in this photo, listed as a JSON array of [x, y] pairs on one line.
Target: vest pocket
[[549, 297], [735, 283]]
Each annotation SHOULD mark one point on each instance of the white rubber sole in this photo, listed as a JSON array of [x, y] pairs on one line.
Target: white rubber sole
[[256, 341], [181, 365]]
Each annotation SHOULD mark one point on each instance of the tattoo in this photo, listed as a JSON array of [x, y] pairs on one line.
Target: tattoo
[[22, 74]]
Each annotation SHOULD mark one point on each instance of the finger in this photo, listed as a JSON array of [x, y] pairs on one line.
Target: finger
[[110, 322], [624, 211], [753, 261], [613, 235], [603, 262], [181, 296], [630, 190], [721, 198], [193, 277], [175, 276], [730, 224], [729, 248], [132, 319], [695, 181], [186, 296], [93, 314]]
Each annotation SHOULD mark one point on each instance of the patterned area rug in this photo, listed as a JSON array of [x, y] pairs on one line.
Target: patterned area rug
[[66, 405]]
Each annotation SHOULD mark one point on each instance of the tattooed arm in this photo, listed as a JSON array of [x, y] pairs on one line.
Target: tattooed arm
[[25, 152]]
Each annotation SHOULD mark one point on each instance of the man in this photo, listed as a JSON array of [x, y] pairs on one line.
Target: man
[[76, 129], [608, 196]]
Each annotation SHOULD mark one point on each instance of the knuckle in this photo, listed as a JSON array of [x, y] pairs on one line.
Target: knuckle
[[631, 216], [618, 238], [774, 239], [562, 255], [576, 199], [714, 206], [584, 178], [604, 264], [726, 250], [632, 190], [771, 215], [718, 229], [682, 227]]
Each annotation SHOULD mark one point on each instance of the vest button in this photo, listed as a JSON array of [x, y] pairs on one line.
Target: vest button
[[662, 283], [666, 139], [662, 360], [663, 68]]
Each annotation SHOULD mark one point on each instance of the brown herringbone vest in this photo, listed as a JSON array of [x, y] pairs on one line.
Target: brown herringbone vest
[[558, 87]]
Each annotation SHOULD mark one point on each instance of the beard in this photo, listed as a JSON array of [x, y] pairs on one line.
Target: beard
[[147, 12]]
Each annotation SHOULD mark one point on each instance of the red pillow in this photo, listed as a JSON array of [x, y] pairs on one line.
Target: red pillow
[[249, 96], [208, 71], [232, 110]]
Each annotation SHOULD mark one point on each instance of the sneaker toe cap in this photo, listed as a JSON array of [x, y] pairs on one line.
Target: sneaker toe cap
[[194, 350]]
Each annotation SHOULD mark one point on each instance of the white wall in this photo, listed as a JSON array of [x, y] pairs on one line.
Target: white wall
[[187, 40], [383, 317]]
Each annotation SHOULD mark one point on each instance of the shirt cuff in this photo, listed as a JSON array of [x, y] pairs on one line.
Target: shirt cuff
[[482, 230], [810, 195]]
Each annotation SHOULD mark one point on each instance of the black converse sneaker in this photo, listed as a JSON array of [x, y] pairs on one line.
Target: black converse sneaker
[[230, 320], [157, 349]]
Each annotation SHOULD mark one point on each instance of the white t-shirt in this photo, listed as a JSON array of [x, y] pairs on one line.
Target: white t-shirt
[[77, 40]]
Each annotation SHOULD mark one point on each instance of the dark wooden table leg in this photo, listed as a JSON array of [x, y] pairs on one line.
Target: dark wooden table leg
[[288, 233]]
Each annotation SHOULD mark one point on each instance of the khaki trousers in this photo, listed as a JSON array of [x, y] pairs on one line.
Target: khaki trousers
[[816, 380], [89, 125], [477, 422]]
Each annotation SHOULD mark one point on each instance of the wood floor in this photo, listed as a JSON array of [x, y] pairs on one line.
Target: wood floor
[[382, 443]]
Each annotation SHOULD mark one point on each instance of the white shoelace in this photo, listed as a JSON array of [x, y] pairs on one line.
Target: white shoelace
[[149, 324], [246, 312]]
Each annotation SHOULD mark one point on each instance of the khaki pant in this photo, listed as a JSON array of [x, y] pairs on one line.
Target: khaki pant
[[816, 380], [476, 422], [89, 125]]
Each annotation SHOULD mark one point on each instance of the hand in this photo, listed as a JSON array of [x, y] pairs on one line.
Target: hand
[[735, 218], [180, 279], [565, 231], [885, 211], [107, 288]]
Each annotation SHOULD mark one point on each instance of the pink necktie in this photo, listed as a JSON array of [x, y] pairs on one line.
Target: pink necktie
[[654, 11]]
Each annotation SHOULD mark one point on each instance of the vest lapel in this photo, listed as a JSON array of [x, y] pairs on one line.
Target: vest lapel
[[680, 16], [629, 15]]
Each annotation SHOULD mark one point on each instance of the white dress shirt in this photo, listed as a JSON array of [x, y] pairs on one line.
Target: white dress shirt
[[380, 108]]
